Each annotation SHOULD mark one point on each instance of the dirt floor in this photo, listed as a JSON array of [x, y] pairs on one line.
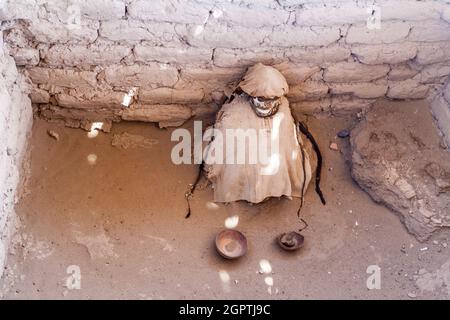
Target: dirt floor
[[118, 213]]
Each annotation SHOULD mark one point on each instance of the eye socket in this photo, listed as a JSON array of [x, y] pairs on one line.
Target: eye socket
[[264, 99]]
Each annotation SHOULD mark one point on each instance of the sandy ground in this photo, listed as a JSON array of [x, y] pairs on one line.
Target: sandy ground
[[121, 221]]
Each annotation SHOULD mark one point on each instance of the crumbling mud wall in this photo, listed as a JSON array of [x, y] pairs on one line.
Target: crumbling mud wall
[[404, 167], [169, 60], [15, 124], [441, 110]]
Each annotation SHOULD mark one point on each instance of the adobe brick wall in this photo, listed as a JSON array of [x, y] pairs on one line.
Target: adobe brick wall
[[178, 56], [15, 124]]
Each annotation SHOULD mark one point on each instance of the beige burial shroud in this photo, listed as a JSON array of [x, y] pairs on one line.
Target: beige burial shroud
[[284, 169]]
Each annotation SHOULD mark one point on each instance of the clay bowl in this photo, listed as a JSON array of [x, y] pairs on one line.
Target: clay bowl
[[290, 241], [231, 244]]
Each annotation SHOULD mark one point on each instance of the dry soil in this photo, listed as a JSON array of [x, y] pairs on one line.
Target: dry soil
[[118, 213]]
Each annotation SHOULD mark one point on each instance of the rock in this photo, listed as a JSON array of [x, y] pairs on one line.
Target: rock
[[412, 295], [403, 249], [53, 134], [334, 146], [397, 159], [344, 133], [405, 188]]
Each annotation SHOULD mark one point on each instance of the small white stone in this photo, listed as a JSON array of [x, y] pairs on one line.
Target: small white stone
[[334, 146], [53, 134]]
